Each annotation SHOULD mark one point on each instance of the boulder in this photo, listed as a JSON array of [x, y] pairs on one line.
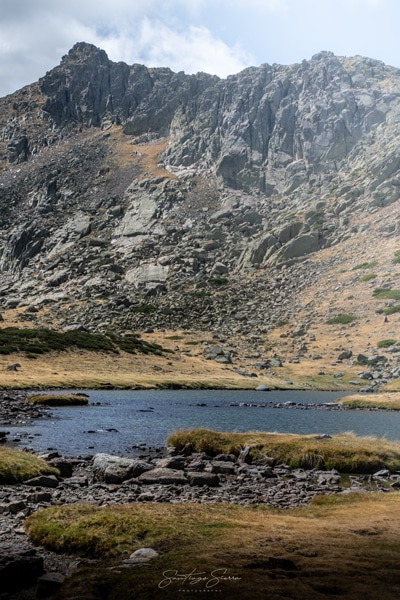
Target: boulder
[[296, 248], [18, 149], [116, 469], [221, 466], [172, 462], [345, 355], [20, 567], [49, 481], [147, 274], [64, 466], [163, 476], [197, 478], [48, 584]]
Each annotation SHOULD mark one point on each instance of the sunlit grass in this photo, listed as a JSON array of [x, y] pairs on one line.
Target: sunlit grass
[[58, 399], [344, 451], [388, 401], [17, 466]]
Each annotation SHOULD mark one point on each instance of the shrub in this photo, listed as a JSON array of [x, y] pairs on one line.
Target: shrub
[[386, 343], [219, 281], [39, 341], [143, 308], [342, 320], [392, 309], [366, 265], [386, 294], [368, 277]]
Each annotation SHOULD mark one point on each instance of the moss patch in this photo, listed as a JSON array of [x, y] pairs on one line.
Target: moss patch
[[17, 466]]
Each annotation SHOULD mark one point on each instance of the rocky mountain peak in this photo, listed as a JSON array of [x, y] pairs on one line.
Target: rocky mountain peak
[[82, 52]]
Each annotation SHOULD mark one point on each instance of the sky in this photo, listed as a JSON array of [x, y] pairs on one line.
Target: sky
[[220, 37]]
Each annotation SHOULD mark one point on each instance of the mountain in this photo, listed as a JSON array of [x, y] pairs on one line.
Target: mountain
[[252, 209]]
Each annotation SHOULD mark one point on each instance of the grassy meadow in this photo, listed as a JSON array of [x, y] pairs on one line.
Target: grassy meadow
[[338, 546]]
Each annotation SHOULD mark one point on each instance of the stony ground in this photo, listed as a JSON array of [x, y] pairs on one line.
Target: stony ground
[[155, 476]]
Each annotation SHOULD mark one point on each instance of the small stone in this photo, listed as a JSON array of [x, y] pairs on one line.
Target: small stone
[[50, 481], [147, 553], [48, 584]]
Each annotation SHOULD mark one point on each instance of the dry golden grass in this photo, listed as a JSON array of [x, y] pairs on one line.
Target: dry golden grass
[[338, 289], [387, 401], [82, 369], [77, 369], [344, 546], [58, 399], [146, 157], [345, 452]]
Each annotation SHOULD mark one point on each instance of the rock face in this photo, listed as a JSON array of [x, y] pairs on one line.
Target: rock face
[[141, 197]]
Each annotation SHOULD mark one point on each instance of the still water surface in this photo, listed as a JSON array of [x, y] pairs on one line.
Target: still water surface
[[125, 419]]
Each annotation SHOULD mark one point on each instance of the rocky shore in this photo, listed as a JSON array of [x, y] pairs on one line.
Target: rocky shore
[[154, 475], [163, 476]]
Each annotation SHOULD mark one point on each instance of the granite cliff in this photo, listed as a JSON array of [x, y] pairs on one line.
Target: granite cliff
[[135, 197]]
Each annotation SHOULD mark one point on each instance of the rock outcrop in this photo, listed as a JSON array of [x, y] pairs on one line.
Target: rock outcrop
[[141, 197]]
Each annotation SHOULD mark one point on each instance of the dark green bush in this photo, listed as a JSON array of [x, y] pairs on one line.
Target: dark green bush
[[342, 320], [366, 265], [39, 341], [368, 277], [386, 343], [386, 294], [143, 308], [392, 309], [219, 281]]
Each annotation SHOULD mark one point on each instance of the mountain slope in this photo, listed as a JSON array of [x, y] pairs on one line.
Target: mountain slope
[[136, 199]]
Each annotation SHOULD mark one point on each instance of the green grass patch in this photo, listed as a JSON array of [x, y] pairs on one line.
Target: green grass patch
[[345, 452], [368, 277], [392, 309], [365, 265], [58, 399], [386, 294], [96, 532], [200, 294], [39, 341], [17, 466], [218, 281], [143, 309], [342, 319], [386, 343]]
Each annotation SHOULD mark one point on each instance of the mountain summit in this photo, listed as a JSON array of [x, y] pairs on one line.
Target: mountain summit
[[135, 197]]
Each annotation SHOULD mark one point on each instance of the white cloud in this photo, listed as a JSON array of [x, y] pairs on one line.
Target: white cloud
[[190, 35], [191, 50], [33, 38]]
